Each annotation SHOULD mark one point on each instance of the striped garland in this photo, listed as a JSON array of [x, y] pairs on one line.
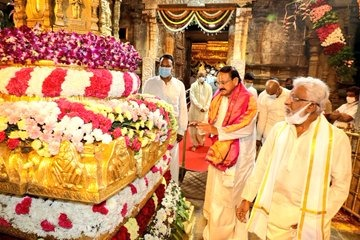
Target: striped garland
[[51, 81]]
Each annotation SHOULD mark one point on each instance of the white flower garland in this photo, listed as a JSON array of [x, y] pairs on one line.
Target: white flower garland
[[86, 223]]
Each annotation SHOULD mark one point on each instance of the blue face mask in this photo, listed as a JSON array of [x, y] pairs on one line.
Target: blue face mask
[[164, 71]]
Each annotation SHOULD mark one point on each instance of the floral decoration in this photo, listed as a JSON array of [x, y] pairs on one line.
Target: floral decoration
[[25, 45], [52, 81], [326, 25], [58, 219], [43, 125], [157, 224]]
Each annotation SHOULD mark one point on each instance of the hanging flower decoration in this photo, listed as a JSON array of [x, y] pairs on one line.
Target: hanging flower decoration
[[209, 21], [326, 25]]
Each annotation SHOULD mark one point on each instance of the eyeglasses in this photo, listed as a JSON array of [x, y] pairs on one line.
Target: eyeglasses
[[297, 99], [217, 83]]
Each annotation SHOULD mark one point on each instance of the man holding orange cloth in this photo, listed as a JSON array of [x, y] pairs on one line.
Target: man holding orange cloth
[[232, 117]]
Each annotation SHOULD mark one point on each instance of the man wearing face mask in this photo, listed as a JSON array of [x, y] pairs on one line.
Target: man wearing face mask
[[200, 97], [210, 78], [344, 116], [271, 108], [171, 90], [301, 177], [248, 82]]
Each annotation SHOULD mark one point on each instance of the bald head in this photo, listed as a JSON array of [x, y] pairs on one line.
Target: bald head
[[201, 73], [272, 87]]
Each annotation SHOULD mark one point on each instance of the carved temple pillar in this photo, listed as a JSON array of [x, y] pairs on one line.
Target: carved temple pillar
[[148, 67], [116, 18], [314, 56], [105, 18], [238, 35]]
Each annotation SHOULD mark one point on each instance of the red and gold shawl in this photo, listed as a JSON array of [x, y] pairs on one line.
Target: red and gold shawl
[[241, 111]]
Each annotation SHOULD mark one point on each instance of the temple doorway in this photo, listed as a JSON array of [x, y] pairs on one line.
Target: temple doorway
[[205, 51]]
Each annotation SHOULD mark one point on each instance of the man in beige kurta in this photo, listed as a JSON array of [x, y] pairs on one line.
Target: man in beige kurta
[[200, 98]]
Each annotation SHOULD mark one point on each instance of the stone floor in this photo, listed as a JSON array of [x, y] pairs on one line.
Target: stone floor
[[193, 186]]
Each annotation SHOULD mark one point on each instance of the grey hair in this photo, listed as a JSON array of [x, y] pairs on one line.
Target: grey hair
[[316, 90]]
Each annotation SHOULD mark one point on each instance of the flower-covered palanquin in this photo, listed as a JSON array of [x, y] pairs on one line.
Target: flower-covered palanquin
[[80, 151]]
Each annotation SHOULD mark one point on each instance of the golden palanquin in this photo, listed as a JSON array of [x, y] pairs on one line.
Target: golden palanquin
[[91, 176]]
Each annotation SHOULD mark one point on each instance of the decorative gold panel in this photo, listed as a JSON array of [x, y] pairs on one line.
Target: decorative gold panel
[[98, 172], [211, 51]]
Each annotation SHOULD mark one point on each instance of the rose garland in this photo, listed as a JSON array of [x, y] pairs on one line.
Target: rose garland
[[325, 23]]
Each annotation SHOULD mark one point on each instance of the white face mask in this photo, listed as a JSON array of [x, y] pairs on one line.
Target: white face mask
[[248, 85], [350, 99], [273, 96], [201, 79], [296, 117]]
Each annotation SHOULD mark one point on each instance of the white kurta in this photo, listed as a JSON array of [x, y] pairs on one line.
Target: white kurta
[[174, 93], [223, 189], [291, 177], [349, 109], [200, 97], [253, 91], [270, 111]]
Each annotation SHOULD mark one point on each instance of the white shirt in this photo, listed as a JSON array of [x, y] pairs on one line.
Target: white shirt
[[349, 109], [253, 91], [173, 93], [271, 111]]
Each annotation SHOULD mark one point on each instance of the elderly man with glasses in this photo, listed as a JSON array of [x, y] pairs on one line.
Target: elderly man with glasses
[[302, 176], [232, 117]]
